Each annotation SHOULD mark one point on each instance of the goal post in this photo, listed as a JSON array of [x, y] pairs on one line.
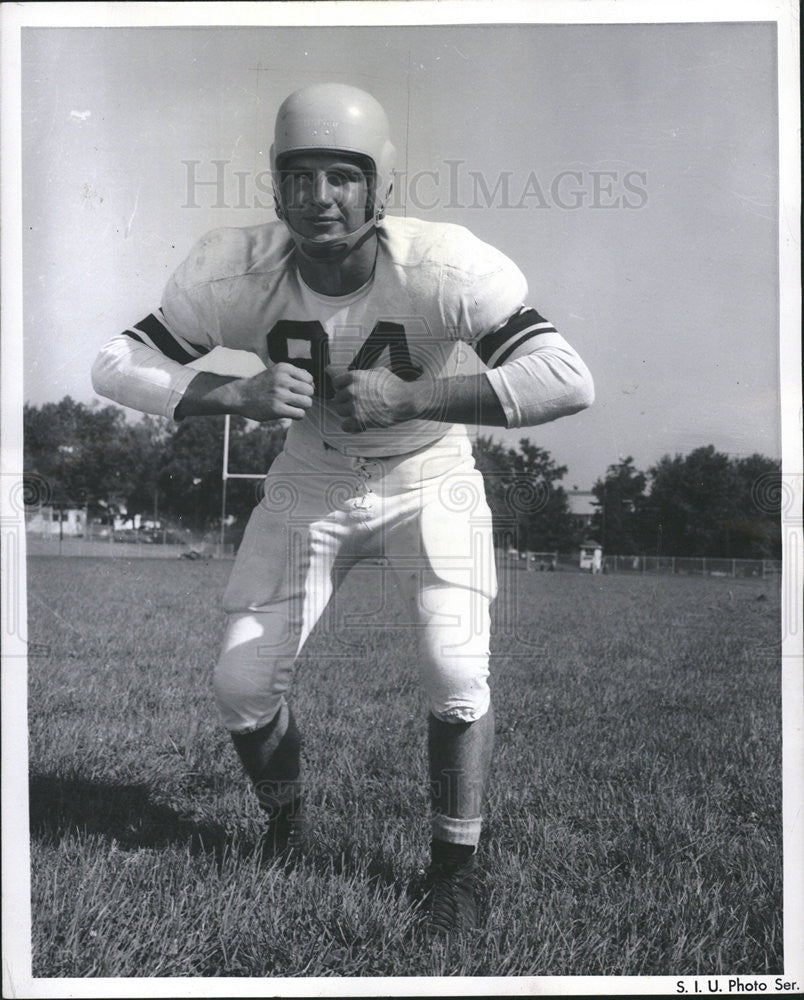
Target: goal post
[[226, 476]]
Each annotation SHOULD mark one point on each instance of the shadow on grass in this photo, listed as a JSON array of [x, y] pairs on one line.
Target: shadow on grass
[[128, 815], [124, 813], [373, 867]]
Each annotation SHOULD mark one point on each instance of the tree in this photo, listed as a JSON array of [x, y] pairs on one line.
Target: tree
[[89, 454], [251, 450], [549, 524], [93, 456], [190, 474], [619, 522], [495, 464], [148, 440], [190, 471], [529, 508], [708, 504], [756, 532]]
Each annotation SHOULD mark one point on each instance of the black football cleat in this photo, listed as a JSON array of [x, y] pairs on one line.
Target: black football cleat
[[450, 897], [284, 836]]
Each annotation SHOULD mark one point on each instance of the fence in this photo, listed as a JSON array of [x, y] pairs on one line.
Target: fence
[[129, 544], [761, 569], [101, 540], [38, 545], [532, 561]]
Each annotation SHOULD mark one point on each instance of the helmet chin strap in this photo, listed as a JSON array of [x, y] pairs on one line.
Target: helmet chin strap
[[333, 249]]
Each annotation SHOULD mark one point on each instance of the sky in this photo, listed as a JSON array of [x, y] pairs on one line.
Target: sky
[[629, 170]]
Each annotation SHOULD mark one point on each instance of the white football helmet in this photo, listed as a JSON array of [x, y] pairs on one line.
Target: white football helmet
[[337, 117]]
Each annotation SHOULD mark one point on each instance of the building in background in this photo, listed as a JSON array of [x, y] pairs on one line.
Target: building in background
[[582, 506], [67, 522]]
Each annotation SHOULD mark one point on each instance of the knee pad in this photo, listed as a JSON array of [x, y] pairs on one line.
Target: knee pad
[[457, 689], [454, 648], [254, 669]]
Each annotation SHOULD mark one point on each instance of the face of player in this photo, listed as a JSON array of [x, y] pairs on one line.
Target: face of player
[[324, 194]]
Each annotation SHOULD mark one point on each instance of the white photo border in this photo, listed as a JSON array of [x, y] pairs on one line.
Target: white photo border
[[17, 978]]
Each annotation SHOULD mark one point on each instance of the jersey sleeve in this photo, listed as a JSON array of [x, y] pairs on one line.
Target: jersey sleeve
[[535, 373], [544, 379], [481, 289], [144, 367], [194, 303]]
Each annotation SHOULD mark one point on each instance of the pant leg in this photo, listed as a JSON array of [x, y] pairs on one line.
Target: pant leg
[[443, 558], [453, 626], [288, 565]]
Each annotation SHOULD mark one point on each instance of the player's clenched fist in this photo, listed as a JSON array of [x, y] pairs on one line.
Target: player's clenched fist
[[280, 391], [373, 398]]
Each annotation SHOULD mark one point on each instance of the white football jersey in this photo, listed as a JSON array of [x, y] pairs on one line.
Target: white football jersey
[[435, 288]]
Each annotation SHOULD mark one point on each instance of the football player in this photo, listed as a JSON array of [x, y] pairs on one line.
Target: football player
[[362, 321]]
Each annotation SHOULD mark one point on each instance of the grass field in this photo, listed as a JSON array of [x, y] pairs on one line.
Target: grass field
[[634, 819]]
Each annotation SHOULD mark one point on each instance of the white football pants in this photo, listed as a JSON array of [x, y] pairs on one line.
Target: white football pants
[[422, 515]]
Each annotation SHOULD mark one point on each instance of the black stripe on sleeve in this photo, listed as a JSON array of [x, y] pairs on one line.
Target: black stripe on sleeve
[[493, 341], [506, 354], [130, 333], [196, 347], [163, 339]]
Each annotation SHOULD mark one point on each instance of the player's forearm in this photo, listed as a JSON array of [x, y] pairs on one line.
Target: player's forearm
[[209, 395], [274, 393], [531, 390], [459, 399]]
